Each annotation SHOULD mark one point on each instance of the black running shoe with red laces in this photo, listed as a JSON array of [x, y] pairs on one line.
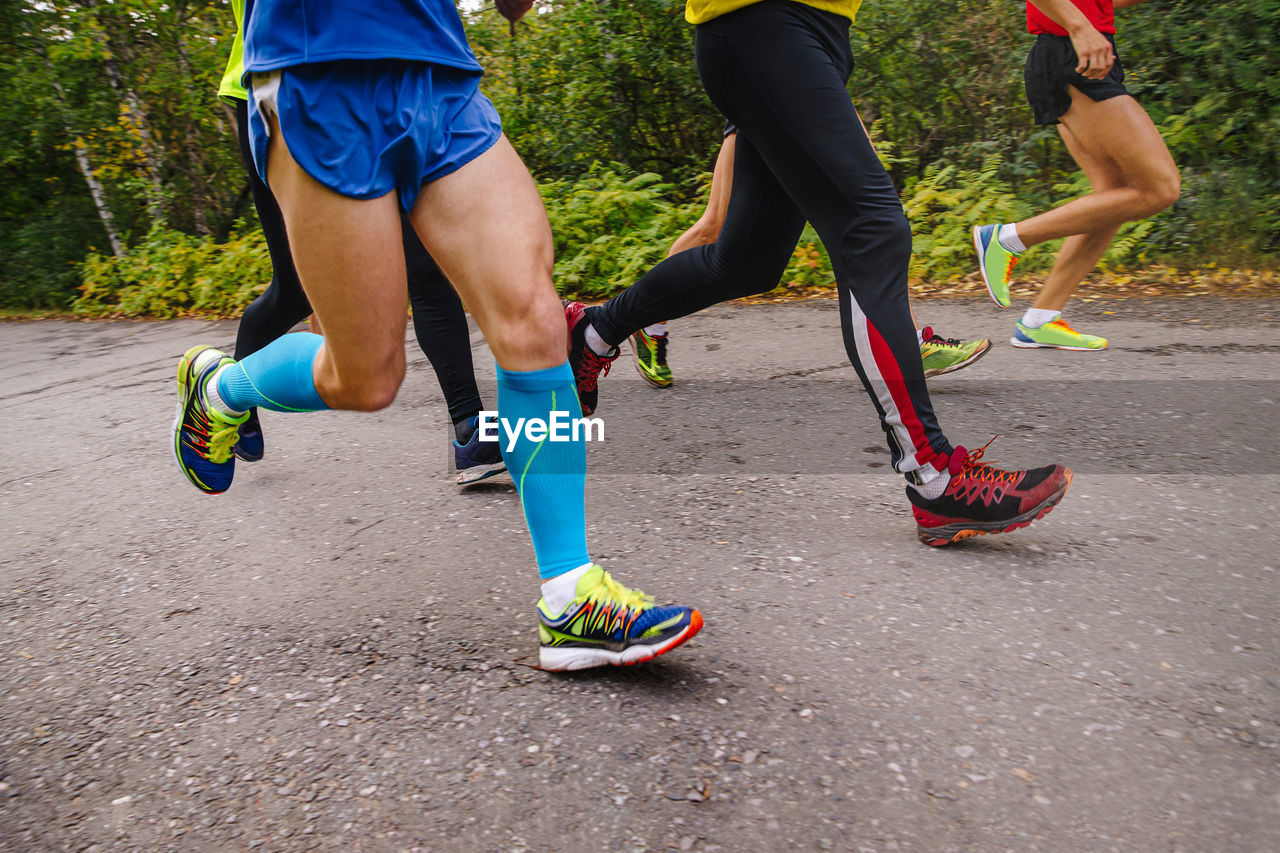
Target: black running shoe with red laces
[[981, 499], [586, 365]]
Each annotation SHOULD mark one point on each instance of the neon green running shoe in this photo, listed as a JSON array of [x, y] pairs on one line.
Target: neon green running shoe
[[651, 358], [1055, 334], [203, 437], [607, 624], [995, 261], [943, 355]]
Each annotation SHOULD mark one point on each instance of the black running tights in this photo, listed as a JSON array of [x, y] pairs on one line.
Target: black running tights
[[777, 69]]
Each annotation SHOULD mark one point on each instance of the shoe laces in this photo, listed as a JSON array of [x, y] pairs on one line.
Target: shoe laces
[[661, 348], [939, 341], [976, 469], [1063, 325], [212, 437], [592, 367], [610, 589]]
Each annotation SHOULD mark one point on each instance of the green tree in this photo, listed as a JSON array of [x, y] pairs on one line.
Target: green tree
[[599, 81]]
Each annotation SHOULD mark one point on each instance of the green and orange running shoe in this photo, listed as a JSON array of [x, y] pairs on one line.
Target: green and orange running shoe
[[203, 437], [995, 261], [651, 358], [608, 624], [944, 355], [1055, 334]]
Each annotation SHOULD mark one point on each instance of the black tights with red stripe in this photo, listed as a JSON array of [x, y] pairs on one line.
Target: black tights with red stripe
[[777, 70]]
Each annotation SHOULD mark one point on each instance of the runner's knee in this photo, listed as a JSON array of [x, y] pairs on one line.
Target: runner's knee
[[368, 387], [530, 326], [1165, 190]]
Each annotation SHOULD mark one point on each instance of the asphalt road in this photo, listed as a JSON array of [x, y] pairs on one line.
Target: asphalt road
[[336, 654]]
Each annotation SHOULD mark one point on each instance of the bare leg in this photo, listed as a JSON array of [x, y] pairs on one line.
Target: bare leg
[[350, 259], [1080, 252], [708, 226], [487, 229], [1119, 133]]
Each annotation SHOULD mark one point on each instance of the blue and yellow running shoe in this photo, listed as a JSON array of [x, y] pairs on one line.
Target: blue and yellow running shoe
[[607, 624], [202, 436], [1055, 334], [995, 261], [651, 358]]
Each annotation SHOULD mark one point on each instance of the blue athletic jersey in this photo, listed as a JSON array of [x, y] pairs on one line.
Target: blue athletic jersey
[[285, 33]]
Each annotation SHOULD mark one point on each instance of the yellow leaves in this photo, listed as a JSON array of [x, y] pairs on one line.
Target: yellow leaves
[[1156, 281]]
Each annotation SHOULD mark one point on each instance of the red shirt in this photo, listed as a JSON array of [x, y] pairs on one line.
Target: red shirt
[[1099, 13]]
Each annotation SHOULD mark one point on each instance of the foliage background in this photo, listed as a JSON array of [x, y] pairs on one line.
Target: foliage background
[[602, 100]]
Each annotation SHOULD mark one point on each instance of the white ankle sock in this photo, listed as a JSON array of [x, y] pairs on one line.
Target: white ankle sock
[[656, 330], [935, 485], [561, 589], [215, 399], [597, 344], [1037, 317], [919, 337], [1008, 238]]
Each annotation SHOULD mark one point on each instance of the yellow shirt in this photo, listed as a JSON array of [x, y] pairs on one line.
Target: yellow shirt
[[701, 11], [231, 87]]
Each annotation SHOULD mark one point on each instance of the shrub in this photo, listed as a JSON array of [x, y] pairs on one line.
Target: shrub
[[171, 274]]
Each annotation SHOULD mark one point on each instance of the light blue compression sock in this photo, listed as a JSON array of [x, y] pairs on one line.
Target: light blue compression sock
[[277, 377], [551, 476]]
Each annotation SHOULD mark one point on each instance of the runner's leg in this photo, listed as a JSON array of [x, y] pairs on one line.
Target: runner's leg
[[486, 227], [783, 85], [1120, 132], [760, 231], [283, 304], [440, 324], [708, 226], [1080, 252]]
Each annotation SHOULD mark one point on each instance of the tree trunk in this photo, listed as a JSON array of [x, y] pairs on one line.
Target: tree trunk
[[155, 198], [99, 197], [82, 156]]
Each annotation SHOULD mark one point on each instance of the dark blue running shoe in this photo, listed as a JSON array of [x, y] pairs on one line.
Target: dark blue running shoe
[[477, 460], [249, 446], [202, 435]]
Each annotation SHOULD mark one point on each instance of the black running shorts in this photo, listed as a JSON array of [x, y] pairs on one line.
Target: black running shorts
[[1051, 68]]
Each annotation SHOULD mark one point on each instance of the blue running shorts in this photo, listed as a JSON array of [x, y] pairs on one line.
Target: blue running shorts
[[363, 128]]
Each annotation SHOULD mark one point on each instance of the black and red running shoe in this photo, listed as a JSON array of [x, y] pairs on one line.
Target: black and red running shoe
[[586, 365], [982, 499]]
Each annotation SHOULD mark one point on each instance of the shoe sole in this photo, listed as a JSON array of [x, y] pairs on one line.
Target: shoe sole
[[947, 534], [476, 473], [566, 659], [1034, 345], [953, 368], [635, 350], [982, 267], [184, 397]]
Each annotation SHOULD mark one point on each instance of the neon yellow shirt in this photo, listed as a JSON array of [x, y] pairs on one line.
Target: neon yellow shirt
[[701, 11], [231, 87]]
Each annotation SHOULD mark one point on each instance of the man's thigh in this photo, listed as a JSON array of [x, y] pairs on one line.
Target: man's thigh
[[1118, 134], [350, 259], [486, 226]]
